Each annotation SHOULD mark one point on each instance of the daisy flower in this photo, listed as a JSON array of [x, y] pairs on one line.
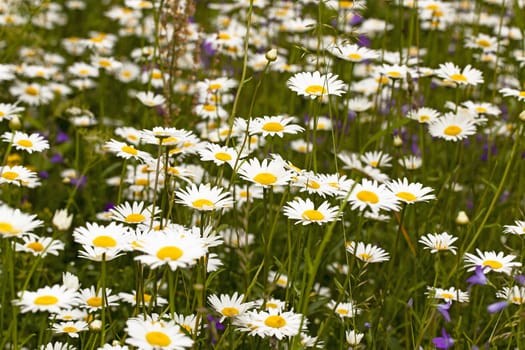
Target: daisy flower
[[219, 154], [175, 249], [376, 159], [515, 295], [188, 323], [449, 295], [321, 184], [131, 134], [369, 194], [305, 213], [410, 162], [13, 222], [134, 213], [491, 261], [131, 298], [424, 115], [271, 323], [315, 84], [62, 220], [278, 279], [274, 126], [92, 299], [517, 229], [150, 99], [394, 71], [410, 193], [18, 175], [109, 237], [217, 85], [229, 306], [438, 242], [123, 150], [57, 346], [452, 127], [148, 335], [71, 328], [168, 136], [204, 197], [344, 310], [33, 94], [353, 52], [452, 73], [519, 94], [24, 142], [353, 338], [482, 41], [83, 70], [99, 254], [51, 299], [39, 246], [368, 253], [266, 173], [210, 111], [9, 111]]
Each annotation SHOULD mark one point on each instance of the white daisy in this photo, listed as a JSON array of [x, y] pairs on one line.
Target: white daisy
[[204, 197], [438, 242], [452, 73], [449, 295], [266, 173], [371, 195], [315, 84], [368, 253], [452, 127], [150, 99], [491, 261], [305, 213], [229, 306], [410, 193], [274, 126]]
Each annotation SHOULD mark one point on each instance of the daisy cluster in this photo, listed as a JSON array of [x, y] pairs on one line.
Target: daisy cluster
[[261, 174]]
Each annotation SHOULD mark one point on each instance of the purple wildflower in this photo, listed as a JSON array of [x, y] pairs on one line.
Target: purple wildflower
[[443, 342], [57, 158], [478, 277], [62, 137], [443, 310], [497, 306], [520, 279]]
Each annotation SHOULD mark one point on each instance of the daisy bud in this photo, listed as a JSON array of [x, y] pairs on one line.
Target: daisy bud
[[522, 115], [271, 55], [70, 281], [95, 325], [462, 218], [62, 220], [15, 123], [398, 141]]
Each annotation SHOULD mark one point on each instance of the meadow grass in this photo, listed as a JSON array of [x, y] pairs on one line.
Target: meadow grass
[[262, 174]]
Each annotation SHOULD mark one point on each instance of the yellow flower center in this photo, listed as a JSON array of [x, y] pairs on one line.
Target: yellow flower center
[[9, 175], [481, 110], [83, 72], [223, 36], [203, 202], [354, 56], [129, 149], [104, 242], [365, 256], [313, 184], [493, 264], [70, 329], [223, 156], [315, 90], [345, 4], [483, 43], [104, 63], [31, 90], [134, 218], [458, 77], [342, 311], [25, 143], [94, 301], [36, 246], [406, 196], [275, 321], [169, 252], [273, 127], [394, 74], [271, 305], [265, 178], [229, 311], [447, 295], [374, 163], [141, 182], [452, 130], [156, 75], [367, 196], [209, 108], [518, 300], [146, 297], [126, 74], [215, 86], [45, 300], [158, 339], [313, 215], [424, 118], [522, 93], [6, 227], [2, 114], [383, 80]]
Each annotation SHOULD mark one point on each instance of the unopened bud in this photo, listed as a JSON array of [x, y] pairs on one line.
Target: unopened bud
[[95, 325], [271, 55], [462, 218], [15, 123], [522, 115], [398, 141]]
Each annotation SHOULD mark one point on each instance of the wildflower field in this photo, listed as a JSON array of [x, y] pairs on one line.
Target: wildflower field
[[262, 174]]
